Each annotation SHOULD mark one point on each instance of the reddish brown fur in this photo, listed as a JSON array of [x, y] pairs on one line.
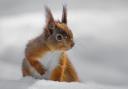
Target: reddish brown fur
[[64, 72], [37, 48]]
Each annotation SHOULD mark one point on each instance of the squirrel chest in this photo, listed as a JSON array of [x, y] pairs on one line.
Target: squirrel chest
[[50, 61]]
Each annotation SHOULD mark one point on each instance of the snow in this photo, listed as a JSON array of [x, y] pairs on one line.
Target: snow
[[100, 51], [30, 83]]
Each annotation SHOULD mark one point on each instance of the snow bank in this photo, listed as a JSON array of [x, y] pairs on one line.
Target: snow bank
[[43, 84], [30, 83]]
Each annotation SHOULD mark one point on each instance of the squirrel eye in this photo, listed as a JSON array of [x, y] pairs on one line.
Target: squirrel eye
[[59, 37], [52, 27]]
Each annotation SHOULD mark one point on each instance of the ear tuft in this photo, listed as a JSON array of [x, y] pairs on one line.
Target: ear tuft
[[49, 17], [64, 15]]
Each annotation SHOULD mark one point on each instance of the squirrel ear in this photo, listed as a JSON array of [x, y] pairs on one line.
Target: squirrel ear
[[49, 17], [64, 15]]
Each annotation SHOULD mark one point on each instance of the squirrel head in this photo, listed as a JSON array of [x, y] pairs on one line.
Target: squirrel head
[[58, 35]]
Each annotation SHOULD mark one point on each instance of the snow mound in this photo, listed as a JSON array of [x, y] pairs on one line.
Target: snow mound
[[30, 83], [43, 84], [47, 84]]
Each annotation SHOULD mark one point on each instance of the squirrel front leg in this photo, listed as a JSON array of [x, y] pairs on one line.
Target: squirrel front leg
[[37, 65], [65, 71], [56, 74], [71, 73]]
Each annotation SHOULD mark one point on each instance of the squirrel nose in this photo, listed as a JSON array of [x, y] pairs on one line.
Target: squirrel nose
[[72, 44]]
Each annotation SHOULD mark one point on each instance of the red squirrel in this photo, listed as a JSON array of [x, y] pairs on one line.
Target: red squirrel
[[45, 56]]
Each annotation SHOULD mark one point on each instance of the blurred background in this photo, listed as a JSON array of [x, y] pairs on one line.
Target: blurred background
[[100, 29]]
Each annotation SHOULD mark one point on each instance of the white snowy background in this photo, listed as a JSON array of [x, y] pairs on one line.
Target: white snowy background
[[100, 29]]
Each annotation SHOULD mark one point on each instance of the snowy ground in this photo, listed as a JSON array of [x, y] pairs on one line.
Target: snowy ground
[[100, 52], [30, 83]]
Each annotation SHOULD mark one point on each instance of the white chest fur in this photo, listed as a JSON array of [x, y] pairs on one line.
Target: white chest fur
[[49, 61]]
